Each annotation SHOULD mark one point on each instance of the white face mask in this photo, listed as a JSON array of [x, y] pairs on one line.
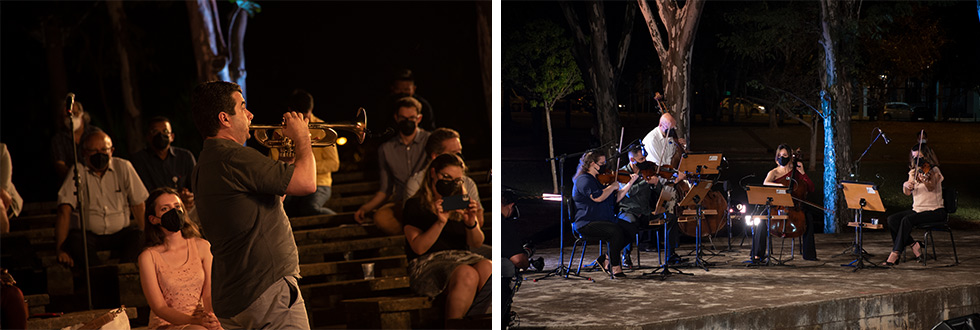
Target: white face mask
[[76, 123]]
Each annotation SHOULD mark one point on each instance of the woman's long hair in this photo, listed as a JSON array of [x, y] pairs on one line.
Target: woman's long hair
[[924, 152], [587, 160], [153, 235], [425, 193]]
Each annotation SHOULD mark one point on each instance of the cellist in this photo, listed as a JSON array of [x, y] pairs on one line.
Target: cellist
[[785, 175]]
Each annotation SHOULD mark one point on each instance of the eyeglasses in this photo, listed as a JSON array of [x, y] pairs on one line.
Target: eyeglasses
[[445, 176], [102, 150], [412, 118]]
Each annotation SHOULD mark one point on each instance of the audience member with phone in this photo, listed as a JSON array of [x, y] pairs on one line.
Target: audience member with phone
[[440, 229]]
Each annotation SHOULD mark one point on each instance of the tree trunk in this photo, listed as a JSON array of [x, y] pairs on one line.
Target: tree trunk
[[674, 51], [206, 37], [236, 68], [600, 71], [132, 121], [551, 150], [54, 46], [484, 40]]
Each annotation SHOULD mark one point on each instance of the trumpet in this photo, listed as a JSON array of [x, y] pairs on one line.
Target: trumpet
[[271, 136]]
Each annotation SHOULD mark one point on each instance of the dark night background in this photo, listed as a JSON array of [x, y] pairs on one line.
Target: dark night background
[[343, 53]]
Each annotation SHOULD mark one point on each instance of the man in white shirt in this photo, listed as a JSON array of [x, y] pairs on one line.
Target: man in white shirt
[[111, 192], [660, 145]]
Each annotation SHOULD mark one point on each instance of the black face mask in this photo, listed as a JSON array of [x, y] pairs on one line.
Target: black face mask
[[406, 127], [918, 161], [160, 141], [782, 161], [447, 187], [603, 168], [173, 220], [99, 161]]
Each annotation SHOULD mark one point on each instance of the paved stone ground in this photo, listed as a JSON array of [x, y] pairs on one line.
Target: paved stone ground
[[729, 287]]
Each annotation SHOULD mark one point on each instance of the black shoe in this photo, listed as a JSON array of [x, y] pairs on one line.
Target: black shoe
[[627, 261], [619, 275], [676, 259]]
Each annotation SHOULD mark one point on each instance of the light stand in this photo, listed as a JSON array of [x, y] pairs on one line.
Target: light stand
[[562, 270]]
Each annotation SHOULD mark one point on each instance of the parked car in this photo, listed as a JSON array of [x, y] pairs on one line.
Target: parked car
[[897, 111], [735, 105], [922, 113]]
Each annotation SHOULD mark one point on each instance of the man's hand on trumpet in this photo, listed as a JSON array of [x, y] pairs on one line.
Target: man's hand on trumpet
[[296, 128]]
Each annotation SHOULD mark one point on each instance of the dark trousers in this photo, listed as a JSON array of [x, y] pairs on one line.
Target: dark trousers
[[809, 250], [312, 204], [673, 230], [125, 244], [901, 224], [618, 234]]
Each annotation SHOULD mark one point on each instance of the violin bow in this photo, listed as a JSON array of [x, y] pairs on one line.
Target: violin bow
[[619, 148], [915, 173]]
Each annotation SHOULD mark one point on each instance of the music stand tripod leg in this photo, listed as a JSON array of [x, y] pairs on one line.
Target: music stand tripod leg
[[664, 269]]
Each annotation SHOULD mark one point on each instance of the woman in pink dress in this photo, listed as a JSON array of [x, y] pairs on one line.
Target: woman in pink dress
[[175, 266]]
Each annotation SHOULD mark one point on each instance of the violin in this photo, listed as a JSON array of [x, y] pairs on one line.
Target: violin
[[606, 177]]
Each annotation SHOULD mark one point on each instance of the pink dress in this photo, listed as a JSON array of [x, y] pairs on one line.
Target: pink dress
[[181, 285]]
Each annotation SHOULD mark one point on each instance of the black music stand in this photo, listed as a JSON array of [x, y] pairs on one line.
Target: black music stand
[[861, 196], [694, 197], [769, 196], [664, 269]]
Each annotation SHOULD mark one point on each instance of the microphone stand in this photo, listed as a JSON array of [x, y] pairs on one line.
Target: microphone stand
[[857, 162], [78, 197], [561, 270]]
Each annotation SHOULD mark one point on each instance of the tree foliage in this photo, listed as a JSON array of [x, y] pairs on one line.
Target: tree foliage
[[538, 60]]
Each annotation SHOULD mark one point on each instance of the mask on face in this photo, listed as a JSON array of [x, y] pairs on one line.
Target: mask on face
[[447, 187], [918, 161], [173, 220], [99, 161], [406, 127], [782, 161], [76, 123], [603, 168], [160, 141]]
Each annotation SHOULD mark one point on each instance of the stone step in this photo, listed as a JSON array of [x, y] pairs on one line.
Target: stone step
[[36, 303], [383, 312], [352, 249], [343, 232], [323, 272], [357, 287], [322, 220], [69, 319], [36, 221], [40, 238]]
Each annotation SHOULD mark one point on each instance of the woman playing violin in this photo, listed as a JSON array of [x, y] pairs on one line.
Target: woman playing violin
[[925, 185], [595, 215], [789, 172]]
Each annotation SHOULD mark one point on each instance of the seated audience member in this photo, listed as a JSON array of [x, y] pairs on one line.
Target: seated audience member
[[444, 141], [401, 86], [439, 241], [10, 201], [62, 142], [161, 164], [327, 162], [13, 308], [175, 266], [398, 158], [111, 192]]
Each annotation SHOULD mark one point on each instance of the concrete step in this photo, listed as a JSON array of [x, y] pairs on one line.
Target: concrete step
[[36, 303], [383, 312], [343, 232], [352, 249], [383, 267], [322, 220]]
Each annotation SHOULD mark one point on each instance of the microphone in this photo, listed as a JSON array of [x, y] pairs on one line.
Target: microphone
[[883, 136], [70, 102]]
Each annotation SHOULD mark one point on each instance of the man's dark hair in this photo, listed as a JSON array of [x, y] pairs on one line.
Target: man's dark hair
[[208, 100], [300, 101], [404, 75], [407, 102], [434, 144], [154, 120]]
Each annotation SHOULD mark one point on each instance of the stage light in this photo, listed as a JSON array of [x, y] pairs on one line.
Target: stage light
[[551, 197], [740, 207], [341, 141]]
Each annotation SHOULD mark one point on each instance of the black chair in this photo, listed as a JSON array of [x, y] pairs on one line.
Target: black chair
[[579, 238], [949, 202]]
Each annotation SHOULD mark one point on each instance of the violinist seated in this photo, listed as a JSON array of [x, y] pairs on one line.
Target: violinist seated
[[638, 205], [925, 185], [595, 215], [789, 173]]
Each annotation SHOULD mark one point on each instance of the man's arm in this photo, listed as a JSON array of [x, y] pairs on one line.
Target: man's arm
[[138, 214], [303, 181], [61, 234]]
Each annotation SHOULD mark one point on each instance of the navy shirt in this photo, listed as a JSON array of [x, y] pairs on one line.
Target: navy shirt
[[586, 210], [174, 171]]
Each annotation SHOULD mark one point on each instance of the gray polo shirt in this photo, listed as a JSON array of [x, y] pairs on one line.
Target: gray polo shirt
[[237, 192], [398, 162], [638, 198]]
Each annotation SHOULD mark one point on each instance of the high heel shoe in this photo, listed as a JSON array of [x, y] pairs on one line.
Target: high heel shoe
[[918, 256], [603, 264], [887, 263]]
